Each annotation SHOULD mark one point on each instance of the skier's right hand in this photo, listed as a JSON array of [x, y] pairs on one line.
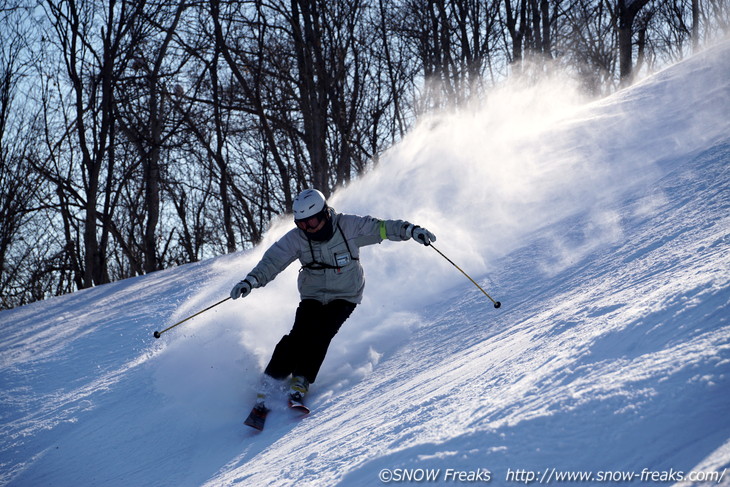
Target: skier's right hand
[[243, 288]]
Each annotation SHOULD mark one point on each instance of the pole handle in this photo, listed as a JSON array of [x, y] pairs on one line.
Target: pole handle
[[497, 304], [158, 334]]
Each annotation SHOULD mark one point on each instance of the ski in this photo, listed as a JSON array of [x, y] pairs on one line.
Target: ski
[[257, 418], [298, 406]]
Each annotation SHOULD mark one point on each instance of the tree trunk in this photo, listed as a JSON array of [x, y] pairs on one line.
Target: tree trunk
[[312, 88], [627, 10], [695, 25]]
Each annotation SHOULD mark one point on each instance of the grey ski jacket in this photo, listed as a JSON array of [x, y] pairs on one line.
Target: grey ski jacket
[[330, 269]]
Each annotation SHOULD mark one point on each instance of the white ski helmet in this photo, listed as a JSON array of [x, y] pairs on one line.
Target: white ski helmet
[[308, 203]]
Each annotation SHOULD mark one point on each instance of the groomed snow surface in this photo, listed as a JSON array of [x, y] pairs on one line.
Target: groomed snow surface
[[604, 229]]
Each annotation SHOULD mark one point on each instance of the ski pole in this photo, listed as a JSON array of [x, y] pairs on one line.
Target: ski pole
[[157, 334], [497, 304]]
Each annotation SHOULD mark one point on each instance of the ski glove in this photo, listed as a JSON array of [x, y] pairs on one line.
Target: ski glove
[[243, 288], [420, 235]]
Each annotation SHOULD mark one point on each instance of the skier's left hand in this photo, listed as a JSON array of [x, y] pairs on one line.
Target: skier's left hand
[[421, 235]]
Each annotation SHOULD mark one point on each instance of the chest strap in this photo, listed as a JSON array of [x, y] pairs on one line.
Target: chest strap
[[318, 266]]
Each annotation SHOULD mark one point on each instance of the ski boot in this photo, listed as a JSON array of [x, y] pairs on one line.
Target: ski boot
[[298, 387]]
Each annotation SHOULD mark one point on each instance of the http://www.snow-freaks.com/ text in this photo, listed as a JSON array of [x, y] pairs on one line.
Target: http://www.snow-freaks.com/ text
[[546, 476]]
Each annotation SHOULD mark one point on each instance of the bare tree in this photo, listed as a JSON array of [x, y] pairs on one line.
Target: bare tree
[[517, 24], [627, 10], [19, 183], [145, 109], [453, 45], [588, 43], [92, 59]]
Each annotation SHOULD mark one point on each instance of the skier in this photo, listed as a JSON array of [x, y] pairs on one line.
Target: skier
[[331, 283]]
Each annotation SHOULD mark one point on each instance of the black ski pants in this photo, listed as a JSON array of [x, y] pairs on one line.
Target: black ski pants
[[302, 351]]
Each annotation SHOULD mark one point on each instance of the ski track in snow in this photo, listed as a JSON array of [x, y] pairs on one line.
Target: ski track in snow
[[611, 351]]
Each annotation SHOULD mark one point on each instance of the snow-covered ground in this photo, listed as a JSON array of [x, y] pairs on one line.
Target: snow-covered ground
[[604, 230]]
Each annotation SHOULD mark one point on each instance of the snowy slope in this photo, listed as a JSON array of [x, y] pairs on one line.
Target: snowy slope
[[604, 230]]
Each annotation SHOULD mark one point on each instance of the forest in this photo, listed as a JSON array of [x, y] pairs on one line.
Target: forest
[[138, 135]]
